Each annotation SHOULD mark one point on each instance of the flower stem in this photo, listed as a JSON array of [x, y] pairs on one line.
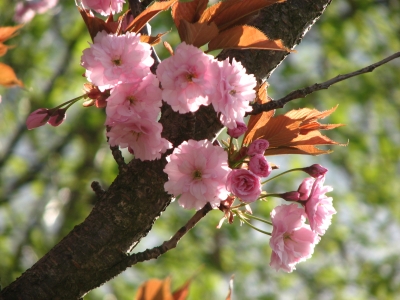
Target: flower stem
[[255, 228], [257, 218], [283, 173]]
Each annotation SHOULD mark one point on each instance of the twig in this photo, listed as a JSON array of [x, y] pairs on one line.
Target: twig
[[302, 93], [167, 245], [122, 167], [97, 189]]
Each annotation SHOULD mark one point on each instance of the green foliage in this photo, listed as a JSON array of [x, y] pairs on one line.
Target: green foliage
[[46, 173]]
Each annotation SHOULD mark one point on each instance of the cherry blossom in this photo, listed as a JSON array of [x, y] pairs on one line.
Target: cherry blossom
[[257, 147], [142, 99], [113, 60], [259, 165], [319, 208], [292, 241], [57, 117], [244, 185], [187, 78], [197, 171], [234, 92], [26, 10], [104, 7], [142, 136]]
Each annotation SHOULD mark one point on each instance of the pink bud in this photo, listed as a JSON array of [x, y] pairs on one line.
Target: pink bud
[[315, 170], [290, 196], [37, 118], [240, 129], [257, 147], [259, 165], [57, 117]]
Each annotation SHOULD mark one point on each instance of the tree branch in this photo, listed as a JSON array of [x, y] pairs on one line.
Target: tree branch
[[87, 256], [155, 252], [302, 93]]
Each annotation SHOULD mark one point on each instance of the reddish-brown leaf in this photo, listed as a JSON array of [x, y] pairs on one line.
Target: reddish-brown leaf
[[305, 150], [197, 34], [152, 40], [182, 292], [3, 49], [258, 121], [149, 13], [94, 24], [155, 289], [232, 12], [244, 37], [8, 32], [8, 77], [296, 132], [188, 11]]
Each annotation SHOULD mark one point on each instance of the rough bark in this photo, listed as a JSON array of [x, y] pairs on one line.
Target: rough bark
[[87, 256]]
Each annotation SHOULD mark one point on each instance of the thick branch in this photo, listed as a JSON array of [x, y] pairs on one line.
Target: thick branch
[[86, 257], [302, 93]]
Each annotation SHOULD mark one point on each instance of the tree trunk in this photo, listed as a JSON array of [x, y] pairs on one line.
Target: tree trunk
[[87, 256]]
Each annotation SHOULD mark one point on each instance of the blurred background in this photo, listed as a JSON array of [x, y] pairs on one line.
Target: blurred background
[[45, 174]]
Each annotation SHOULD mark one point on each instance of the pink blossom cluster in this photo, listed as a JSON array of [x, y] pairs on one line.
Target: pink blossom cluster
[[245, 184], [122, 63], [190, 78], [293, 241]]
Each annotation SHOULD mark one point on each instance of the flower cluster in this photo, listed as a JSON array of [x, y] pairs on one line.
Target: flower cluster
[[122, 64], [117, 66], [191, 78]]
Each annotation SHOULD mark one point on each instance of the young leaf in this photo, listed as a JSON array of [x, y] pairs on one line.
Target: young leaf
[[197, 34], [296, 132], [182, 292], [188, 11], [8, 77], [149, 13], [244, 37], [232, 12], [93, 24], [8, 32], [155, 289], [152, 40], [258, 121]]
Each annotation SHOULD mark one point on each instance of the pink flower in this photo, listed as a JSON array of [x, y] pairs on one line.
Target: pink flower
[[315, 170], [197, 171], [234, 92], [244, 185], [141, 99], [291, 241], [142, 136], [259, 165], [319, 208], [257, 147], [187, 78], [57, 117], [305, 188], [240, 129], [104, 7], [37, 118], [26, 10], [113, 60]]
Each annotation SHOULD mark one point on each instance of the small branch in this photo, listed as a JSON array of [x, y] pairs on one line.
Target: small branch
[[122, 167], [167, 245], [302, 93], [97, 189]]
